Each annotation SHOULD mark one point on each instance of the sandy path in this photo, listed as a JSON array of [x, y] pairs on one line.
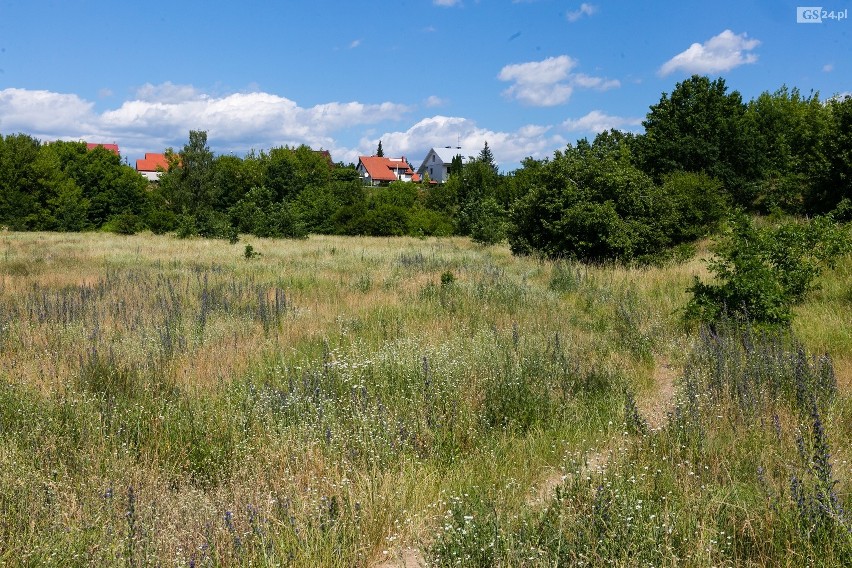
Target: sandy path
[[656, 404]]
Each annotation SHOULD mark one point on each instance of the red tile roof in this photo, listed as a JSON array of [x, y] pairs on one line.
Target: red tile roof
[[111, 147], [385, 169], [151, 162]]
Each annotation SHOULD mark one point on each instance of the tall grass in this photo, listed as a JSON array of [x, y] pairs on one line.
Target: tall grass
[[338, 400]]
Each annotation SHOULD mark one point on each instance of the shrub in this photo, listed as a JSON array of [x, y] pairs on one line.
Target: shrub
[[699, 201], [489, 223], [160, 221], [425, 222], [125, 223], [763, 273], [591, 203], [212, 224], [186, 227], [249, 252], [385, 220]]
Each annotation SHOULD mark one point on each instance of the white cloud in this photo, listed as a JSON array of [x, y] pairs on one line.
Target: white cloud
[[548, 82], [162, 115], [437, 131], [434, 101], [599, 83], [719, 53], [584, 10], [21, 109], [354, 44], [598, 121], [167, 92], [446, 2], [828, 67], [548, 71]]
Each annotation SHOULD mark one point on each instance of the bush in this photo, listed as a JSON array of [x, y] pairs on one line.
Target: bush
[[212, 224], [699, 201], [385, 220], [591, 203], [763, 273], [249, 252], [123, 224], [186, 227], [489, 223], [425, 222], [160, 221]]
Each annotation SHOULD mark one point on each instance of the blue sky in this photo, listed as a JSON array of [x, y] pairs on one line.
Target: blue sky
[[528, 76]]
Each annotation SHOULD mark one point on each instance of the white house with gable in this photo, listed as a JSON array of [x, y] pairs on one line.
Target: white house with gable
[[438, 161]]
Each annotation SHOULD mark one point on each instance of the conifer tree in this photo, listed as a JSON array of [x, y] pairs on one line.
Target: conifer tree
[[486, 157]]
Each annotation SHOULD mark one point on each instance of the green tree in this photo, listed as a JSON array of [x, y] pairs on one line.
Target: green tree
[[701, 127], [289, 171], [157, 214], [260, 214], [318, 203], [69, 207], [109, 187], [379, 151], [478, 181], [835, 181], [385, 211], [50, 182], [590, 202], [488, 226], [487, 157], [791, 132], [19, 207], [188, 184], [699, 204], [456, 166], [233, 178]]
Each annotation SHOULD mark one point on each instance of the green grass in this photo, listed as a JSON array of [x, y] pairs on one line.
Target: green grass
[[337, 401]]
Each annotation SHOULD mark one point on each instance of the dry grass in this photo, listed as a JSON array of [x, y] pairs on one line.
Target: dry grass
[[371, 314]]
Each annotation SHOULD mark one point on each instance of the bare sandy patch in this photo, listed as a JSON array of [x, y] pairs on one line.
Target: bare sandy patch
[[656, 404], [406, 558]]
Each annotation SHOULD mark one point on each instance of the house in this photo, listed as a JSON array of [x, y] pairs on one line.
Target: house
[[111, 147], [375, 170], [438, 161], [152, 165]]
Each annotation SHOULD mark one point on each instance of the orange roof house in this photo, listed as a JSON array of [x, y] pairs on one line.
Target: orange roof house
[[152, 165], [375, 170], [111, 147]]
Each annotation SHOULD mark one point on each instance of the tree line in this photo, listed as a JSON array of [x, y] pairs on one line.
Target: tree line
[[622, 196]]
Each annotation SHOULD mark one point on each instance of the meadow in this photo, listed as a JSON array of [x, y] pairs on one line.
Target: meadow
[[345, 401]]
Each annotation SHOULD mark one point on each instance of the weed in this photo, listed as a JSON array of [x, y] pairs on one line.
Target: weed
[[249, 252]]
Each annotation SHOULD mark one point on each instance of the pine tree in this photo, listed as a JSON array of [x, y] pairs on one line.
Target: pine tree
[[456, 166], [487, 158], [379, 152]]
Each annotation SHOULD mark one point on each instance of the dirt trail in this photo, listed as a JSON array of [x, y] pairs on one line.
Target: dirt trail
[[656, 404], [653, 406], [843, 373], [405, 558]]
